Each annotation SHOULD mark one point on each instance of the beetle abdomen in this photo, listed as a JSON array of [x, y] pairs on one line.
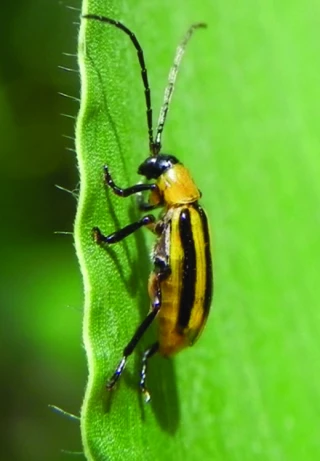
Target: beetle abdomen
[[186, 293]]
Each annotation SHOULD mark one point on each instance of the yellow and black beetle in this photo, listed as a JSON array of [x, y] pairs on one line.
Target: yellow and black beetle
[[180, 285]]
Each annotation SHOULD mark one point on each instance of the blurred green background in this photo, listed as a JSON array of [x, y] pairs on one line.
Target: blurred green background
[[42, 359]]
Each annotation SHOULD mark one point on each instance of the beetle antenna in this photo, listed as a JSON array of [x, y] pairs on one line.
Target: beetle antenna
[[170, 86], [143, 68]]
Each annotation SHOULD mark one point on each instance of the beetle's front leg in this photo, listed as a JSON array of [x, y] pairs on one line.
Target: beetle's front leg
[[129, 190]]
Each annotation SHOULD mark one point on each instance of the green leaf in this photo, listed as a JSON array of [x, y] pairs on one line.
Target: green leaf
[[244, 119]]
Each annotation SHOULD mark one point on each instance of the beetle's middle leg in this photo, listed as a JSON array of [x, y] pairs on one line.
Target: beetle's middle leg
[[146, 221]]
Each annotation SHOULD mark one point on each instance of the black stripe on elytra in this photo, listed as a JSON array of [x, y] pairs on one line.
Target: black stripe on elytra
[[208, 263], [189, 269]]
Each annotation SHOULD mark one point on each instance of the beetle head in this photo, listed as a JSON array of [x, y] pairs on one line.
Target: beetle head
[[153, 167]]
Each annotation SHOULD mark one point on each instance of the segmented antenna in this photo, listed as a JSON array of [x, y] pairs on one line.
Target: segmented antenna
[[154, 143], [143, 68], [170, 86]]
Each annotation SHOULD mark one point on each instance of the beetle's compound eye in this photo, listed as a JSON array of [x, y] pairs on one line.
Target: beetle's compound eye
[[153, 167]]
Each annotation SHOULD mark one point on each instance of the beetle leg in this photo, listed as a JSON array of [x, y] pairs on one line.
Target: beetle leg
[[131, 346], [156, 305], [128, 191], [119, 235], [148, 353], [146, 206], [164, 271]]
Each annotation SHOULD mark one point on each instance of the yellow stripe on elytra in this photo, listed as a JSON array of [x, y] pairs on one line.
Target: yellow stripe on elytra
[[196, 319]]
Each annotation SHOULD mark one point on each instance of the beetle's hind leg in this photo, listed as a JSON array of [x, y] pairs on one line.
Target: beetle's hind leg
[[155, 307], [131, 346], [163, 271], [146, 356]]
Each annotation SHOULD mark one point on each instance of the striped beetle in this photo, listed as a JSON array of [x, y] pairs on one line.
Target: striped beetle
[[180, 285]]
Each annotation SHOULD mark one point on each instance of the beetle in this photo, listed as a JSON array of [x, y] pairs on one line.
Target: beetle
[[181, 284]]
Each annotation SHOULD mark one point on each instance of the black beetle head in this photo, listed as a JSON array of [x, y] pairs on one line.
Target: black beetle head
[[153, 167]]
